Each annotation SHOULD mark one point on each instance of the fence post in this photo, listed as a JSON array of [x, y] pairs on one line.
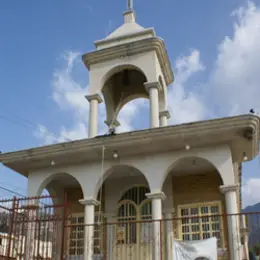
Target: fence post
[[65, 204], [11, 228], [31, 211], [161, 239]]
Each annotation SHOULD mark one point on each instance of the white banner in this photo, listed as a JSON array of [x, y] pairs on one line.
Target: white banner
[[192, 250]]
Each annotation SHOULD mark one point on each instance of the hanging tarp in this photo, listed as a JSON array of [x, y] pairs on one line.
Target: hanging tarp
[[195, 250]]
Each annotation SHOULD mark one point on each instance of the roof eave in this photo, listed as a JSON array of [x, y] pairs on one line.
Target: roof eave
[[126, 36], [203, 127]]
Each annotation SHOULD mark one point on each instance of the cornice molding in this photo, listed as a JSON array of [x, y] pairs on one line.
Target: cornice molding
[[228, 188], [94, 97], [129, 49], [89, 201], [149, 85], [106, 41], [165, 113], [214, 126], [156, 195]]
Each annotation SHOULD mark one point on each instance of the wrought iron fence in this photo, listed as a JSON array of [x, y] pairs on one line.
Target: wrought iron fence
[[28, 231], [51, 231]]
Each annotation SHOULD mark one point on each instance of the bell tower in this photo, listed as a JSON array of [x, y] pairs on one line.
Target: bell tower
[[130, 63]]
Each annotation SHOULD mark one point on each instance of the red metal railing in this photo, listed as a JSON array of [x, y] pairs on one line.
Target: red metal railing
[[50, 231]]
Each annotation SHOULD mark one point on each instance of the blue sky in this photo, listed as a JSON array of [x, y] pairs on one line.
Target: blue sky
[[214, 48]]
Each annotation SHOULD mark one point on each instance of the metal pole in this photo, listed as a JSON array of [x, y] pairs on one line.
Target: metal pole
[[11, 228]]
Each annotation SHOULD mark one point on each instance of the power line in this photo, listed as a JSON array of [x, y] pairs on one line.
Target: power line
[[24, 123], [11, 191], [19, 194]]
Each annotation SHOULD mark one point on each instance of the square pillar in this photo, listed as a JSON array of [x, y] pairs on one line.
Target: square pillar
[[153, 90], [89, 221], [230, 192], [93, 100], [157, 198], [164, 117]]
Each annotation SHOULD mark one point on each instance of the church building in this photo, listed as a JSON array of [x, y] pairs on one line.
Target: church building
[[135, 192]]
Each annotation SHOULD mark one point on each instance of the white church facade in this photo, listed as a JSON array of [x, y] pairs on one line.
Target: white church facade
[[150, 179]]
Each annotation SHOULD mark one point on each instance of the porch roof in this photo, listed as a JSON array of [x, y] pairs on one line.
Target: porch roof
[[240, 132]]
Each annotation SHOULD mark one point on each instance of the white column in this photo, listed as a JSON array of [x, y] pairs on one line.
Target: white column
[[89, 218], [230, 192], [153, 89], [168, 217], [94, 100], [156, 198], [164, 116]]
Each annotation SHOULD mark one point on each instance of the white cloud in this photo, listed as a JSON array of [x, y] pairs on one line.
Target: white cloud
[[185, 106], [233, 84], [250, 191]]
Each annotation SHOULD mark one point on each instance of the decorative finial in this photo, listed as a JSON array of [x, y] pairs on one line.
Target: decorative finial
[[129, 4], [129, 13]]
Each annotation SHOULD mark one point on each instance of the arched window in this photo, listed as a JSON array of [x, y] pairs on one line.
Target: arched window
[[136, 194], [133, 208]]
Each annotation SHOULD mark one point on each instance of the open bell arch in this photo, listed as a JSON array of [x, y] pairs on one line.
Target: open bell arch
[[126, 81], [121, 85]]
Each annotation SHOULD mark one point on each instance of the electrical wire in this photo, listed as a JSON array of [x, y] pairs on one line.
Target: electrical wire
[[12, 191], [23, 122], [19, 194]]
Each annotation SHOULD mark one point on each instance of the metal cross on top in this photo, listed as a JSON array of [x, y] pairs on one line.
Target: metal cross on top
[[129, 4]]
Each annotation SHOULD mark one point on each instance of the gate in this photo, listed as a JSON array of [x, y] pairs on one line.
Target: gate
[[36, 228], [31, 228]]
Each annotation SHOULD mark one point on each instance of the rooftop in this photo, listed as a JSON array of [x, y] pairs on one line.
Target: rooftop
[[241, 133]]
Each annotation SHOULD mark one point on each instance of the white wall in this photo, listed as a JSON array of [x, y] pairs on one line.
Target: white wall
[[155, 168]]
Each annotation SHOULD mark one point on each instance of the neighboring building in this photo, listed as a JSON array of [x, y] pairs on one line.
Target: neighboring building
[[16, 245], [164, 172]]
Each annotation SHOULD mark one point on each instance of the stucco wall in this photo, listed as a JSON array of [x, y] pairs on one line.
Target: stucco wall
[[100, 72], [203, 187], [154, 167]]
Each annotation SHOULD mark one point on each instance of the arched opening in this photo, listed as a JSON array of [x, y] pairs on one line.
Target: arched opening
[[131, 113], [65, 192], [124, 193], [192, 191], [133, 209], [122, 85]]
